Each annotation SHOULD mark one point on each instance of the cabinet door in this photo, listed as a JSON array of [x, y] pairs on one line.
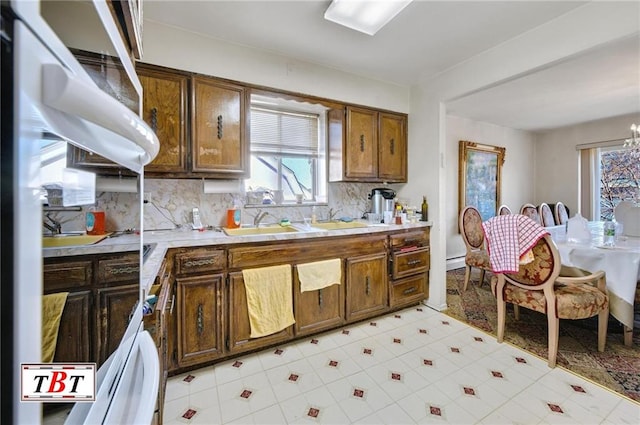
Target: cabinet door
[[318, 310], [165, 110], [114, 312], [361, 159], [367, 290], [392, 152], [219, 128], [74, 344], [239, 326], [200, 319]]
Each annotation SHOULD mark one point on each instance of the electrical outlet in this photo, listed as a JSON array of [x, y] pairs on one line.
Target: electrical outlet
[[147, 196]]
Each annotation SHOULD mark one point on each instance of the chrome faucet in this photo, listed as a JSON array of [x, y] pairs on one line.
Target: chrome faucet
[[257, 219], [55, 227], [332, 213]]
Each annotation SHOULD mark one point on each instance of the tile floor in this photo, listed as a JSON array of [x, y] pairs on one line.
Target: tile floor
[[411, 367]]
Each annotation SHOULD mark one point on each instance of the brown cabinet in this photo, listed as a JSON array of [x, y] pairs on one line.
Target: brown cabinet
[[220, 144], [200, 319], [367, 290], [164, 109], [239, 326], [317, 310], [110, 76], [103, 290], [409, 271], [372, 147], [115, 307]]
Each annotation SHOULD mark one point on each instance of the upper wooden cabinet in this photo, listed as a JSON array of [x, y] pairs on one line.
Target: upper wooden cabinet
[[367, 145], [220, 128], [164, 109]]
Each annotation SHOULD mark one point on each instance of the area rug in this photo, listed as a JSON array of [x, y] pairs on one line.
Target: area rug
[[617, 368]]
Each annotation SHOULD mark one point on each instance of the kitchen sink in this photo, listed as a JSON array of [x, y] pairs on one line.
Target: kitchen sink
[[70, 239], [338, 225], [265, 230]]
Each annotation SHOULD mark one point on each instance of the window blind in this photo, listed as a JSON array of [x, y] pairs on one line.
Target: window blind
[[283, 132]]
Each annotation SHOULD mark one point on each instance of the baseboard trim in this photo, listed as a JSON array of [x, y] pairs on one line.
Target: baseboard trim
[[455, 263]]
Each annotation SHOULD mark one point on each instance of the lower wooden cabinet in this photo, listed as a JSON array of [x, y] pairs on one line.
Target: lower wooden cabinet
[[367, 293], [114, 313], [318, 310], [200, 319], [239, 326], [73, 334]]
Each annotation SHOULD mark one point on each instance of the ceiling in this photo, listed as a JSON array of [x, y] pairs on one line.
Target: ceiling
[[428, 38]]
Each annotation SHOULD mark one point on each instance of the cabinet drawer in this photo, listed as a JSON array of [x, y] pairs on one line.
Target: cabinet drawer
[[410, 262], [408, 291], [411, 238], [66, 275], [122, 269], [200, 260]]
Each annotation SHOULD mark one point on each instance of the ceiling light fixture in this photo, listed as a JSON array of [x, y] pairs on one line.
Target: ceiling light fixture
[[366, 16], [634, 141]]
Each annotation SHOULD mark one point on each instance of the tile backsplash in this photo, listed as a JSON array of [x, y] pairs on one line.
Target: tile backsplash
[[172, 200]]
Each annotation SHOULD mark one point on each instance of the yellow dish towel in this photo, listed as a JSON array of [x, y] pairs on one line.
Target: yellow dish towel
[[52, 307], [320, 274], [269, 299]]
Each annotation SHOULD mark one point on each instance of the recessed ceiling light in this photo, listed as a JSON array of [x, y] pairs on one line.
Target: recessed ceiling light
[[366, 16]]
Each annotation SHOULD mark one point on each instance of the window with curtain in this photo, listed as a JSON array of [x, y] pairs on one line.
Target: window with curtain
[[287, 151], [610, 174]]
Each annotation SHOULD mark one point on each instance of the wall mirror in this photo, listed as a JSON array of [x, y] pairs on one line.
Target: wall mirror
[[479, 175]]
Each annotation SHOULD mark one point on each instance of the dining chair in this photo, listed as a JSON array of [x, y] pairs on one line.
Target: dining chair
[[531, 211], [561, 214], [546, 216], [538, 286], [470, 225], [504, 210]]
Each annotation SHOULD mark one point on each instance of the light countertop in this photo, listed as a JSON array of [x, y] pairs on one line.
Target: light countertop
[[163, 240]]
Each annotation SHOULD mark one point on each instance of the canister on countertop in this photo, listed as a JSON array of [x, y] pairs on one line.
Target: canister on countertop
[[95, 222]]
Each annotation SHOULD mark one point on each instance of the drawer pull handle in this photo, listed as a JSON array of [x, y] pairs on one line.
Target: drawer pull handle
[[362, 143], [220, 127], [392, 146], [413, 262], [409, 290], [200, 320], [201, 262], [154, 119], [125, 270], [320, 299], [173, 301], [367, 284]]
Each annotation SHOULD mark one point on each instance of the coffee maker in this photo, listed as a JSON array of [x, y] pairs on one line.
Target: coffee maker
[[382, 199]]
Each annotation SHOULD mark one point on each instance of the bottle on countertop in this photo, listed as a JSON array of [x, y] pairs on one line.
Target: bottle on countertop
[[424, 210], [234, 215], [314, 217]]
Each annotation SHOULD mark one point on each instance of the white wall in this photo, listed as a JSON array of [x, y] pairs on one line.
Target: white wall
[[518, 171], [175, 48], [557, 157]]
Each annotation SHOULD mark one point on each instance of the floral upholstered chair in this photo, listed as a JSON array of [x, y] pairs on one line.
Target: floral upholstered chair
[[531, 211], [538, 286], [546, 216], [561, 214], [504, 210], [470, 224]]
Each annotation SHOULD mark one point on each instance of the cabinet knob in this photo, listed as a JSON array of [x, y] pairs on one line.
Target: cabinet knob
[[392, 146], [220, 127], [362, 143], [413, 262], [367, 285], [409, 290], [320, 300]]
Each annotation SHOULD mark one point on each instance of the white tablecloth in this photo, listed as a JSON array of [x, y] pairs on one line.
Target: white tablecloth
[[621, 264]]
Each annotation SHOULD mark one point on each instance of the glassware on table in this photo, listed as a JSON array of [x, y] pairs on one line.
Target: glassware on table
[[609, 233]]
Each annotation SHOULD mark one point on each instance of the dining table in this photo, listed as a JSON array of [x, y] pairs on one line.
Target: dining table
[[620, 261]]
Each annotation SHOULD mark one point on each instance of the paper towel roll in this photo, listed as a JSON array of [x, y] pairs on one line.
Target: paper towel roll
[[116, 184], [222, 186]]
